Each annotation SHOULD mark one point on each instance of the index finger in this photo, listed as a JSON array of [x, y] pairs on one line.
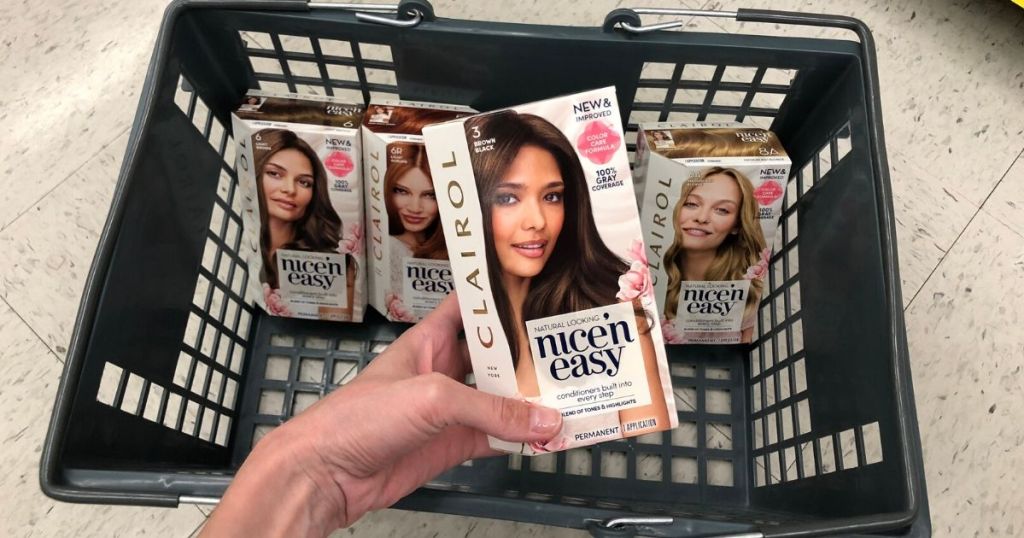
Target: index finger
[[446, 316]]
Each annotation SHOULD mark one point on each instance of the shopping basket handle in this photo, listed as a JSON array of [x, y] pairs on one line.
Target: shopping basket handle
[[628, 19], [409, 12], [628, 527]]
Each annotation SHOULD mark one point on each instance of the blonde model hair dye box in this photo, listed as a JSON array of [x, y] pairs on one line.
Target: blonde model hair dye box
[[547, 253], [713, 196], [409, 270], [300, 179]]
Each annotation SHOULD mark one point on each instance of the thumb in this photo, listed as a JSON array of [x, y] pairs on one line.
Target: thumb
[[448, 402]]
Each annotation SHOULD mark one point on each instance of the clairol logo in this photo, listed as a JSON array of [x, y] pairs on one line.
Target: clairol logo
[[584, 347]]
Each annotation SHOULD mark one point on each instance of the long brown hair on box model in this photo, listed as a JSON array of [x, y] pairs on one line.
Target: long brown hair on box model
[[319, 228], [732, 258], [582, 271], [411, 156]]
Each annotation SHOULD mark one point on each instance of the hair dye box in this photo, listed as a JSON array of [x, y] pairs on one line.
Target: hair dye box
[[409, 270], [713, 196], [300, 178], [547, 253]]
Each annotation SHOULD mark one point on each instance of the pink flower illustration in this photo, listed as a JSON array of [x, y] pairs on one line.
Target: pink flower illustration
[[397, 310], [635, 282], [275, 304], [670, 334], [637, 251], [352, 242], [759, 269]]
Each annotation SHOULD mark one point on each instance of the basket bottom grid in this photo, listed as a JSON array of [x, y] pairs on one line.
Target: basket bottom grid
[[701, 467]]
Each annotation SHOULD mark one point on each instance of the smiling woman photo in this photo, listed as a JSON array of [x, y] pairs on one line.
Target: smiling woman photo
[[411, 202], [544, 254], [295, 209], [717, 237]]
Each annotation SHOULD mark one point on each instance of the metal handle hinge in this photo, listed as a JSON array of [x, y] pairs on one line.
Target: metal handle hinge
[[412, 16], [636, 28]]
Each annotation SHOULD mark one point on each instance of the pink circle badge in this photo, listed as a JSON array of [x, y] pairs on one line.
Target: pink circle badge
[[598, 142], [339, 163], [768, 192]]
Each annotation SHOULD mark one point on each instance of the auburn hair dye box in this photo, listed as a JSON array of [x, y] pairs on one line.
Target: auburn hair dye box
[[713, 195], [409, 270], [300, 179], [547, 254]]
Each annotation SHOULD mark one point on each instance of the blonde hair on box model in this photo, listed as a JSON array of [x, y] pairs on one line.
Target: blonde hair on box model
[[734, 256]]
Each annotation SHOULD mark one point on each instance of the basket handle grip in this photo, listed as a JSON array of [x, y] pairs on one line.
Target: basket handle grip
[[409, 12], [628, 527], [628, 19]]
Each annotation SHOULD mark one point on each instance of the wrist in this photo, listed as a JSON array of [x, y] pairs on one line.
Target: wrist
[[282, 489]]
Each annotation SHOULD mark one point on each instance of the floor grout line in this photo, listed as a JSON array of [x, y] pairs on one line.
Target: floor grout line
[[37, 201], [964, 229], [200, 525], [27, 324], [1012, 227]]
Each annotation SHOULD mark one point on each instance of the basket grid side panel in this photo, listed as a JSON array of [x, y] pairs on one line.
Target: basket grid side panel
[[200, 400], [350, 70], [786, 446], [700, 92]]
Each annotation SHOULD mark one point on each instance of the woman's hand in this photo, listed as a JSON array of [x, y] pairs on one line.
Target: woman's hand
[[405, 419]]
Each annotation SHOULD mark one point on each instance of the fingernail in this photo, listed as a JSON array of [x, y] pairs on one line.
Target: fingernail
[[545, 420]]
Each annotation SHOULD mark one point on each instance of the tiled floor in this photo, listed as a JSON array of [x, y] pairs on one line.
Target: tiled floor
[[952, 80]]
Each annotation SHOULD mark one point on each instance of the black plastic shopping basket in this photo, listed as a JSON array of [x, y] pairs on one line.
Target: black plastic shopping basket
[[173, 374]]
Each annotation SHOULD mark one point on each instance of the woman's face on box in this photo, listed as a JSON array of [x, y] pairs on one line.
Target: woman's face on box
[[287, 184], [527, 212], [710, 213], [415, 200]]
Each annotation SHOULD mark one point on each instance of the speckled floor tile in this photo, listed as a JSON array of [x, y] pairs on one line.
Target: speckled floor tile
[[50, 248], [27, 391], [69, 83], [199, 529], [1007, 201], [930, 215], [967, 353], [951, 76]]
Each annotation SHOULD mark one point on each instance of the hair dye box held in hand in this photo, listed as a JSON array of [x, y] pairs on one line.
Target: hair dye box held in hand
[[712, 202], [547, 254], [299, 173], [409, 270]]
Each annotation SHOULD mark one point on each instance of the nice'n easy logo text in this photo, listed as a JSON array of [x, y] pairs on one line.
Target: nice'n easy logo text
[[584, 351]]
